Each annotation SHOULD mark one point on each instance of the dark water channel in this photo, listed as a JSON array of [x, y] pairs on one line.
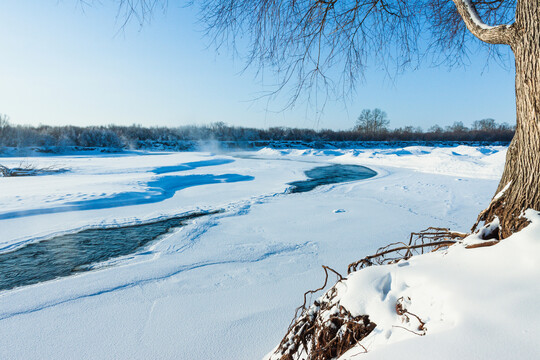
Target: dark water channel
[[331, 174], [67, 254]]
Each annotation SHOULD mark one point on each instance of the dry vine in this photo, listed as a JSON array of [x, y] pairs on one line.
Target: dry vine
[[325, 330], [431, 239], [402, 311]]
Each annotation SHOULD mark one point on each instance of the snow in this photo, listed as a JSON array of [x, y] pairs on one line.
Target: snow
[[159, 184], [475, 17], [501, 193], [226, 285], [476, 303], [462, 160]]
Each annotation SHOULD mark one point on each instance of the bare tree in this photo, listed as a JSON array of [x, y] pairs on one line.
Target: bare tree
[[484, 125], [304, 41], [457, 127], [4, 121], [435, 129], [372, 121], [4, 125]]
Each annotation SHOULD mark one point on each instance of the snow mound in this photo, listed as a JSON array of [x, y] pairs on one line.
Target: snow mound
[[485, 162], [466, 161], [454, 304]]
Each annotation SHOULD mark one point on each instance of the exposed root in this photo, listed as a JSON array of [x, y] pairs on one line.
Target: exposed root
[[406, 315], [302, 308], [325, 330], [509, 215], [482, 244], [431, 239]]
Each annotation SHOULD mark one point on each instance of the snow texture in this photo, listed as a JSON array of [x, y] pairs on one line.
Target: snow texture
[[225, 286], [475, 17]]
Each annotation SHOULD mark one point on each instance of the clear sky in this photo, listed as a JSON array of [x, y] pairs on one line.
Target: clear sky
[[63, 63]]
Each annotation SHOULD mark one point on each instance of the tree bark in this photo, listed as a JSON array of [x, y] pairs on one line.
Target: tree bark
[[519, 188], [501, 34]]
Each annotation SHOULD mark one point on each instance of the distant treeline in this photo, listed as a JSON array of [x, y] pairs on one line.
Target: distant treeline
[[179, 138]]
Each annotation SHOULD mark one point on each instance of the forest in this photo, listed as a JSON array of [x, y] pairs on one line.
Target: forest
[[55, 138]]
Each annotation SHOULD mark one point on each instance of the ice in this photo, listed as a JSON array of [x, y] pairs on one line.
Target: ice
[[225, 286]]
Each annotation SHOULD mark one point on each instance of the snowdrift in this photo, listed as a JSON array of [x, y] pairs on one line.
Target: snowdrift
[[459, 303]]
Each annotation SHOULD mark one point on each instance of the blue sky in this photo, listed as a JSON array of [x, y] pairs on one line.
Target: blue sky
[[64, 64]]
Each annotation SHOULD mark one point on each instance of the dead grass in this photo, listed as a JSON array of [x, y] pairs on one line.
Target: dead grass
[[28, 169]]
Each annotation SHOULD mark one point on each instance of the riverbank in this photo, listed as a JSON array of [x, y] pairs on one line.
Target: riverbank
[[226, 285]]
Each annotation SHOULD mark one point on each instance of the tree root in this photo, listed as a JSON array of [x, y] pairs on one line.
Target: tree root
[[431, 239], [402, 311], [325, 330], [510, 216]]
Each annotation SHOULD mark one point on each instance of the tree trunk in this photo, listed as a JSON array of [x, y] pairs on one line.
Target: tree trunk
[[519, 188]]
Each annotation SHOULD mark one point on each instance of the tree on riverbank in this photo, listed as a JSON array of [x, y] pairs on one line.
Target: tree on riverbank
[[57, 138], [372, 122]]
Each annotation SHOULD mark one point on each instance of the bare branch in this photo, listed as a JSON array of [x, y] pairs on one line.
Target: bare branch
[[313, 45]]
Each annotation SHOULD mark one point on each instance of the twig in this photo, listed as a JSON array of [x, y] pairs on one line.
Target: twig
[[404, 328]]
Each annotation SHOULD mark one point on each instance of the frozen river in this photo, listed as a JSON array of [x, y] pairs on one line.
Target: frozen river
[[71, 253], [224, 285]]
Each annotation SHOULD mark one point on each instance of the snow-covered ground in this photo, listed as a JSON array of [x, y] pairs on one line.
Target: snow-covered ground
[[226, 285], [475, 303]]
